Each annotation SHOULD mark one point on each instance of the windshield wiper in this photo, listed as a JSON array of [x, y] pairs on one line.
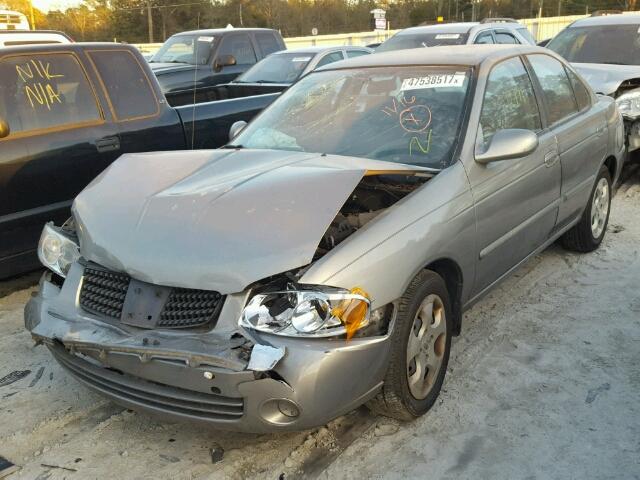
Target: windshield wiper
[[231, 146]]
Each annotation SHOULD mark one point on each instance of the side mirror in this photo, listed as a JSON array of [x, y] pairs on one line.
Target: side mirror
[[236, 128], [4, 129], [510, 143], [224, 61]]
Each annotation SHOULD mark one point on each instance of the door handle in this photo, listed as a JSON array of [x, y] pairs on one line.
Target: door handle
[[108, 144], [550, 158], [600, 130]]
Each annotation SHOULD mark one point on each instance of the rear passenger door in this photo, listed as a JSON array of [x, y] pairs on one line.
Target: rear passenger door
[[144, 124], [238, 45], [505, 37], [581, 133], [331, 57], [516, 200], [60, 140], [484, 38]]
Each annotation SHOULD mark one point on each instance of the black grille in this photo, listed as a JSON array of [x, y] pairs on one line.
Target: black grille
[[103, 292], [151, 395], [189, 308]]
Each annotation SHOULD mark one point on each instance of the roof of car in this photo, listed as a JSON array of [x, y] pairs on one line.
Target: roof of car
[[445, 55], [222, 31], [617, 19], [457, 27], [319, 49]]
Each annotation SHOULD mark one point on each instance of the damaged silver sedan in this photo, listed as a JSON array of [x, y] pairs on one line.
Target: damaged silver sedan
[[324, 258]]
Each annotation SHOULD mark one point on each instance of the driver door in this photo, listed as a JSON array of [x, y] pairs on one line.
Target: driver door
[[516, 200], [238, 45]]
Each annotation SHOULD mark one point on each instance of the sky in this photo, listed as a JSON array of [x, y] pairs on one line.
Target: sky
[[46, 5]]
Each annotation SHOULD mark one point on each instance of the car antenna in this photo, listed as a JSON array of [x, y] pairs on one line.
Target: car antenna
[[195, 79]]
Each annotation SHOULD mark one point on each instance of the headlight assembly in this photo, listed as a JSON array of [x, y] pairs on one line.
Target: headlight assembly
[[629, 104], [56, 250], [310, 312]]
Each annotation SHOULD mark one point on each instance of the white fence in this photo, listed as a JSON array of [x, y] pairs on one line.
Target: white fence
[[540, 28]]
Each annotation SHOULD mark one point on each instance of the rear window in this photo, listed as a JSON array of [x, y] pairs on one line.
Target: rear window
[[526, 34], [126, 83], [401, 41], [45, 91], [268, 43]]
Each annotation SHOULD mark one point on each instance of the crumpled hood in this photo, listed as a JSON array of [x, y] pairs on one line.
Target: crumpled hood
[[160, 68], [214, 219], [605, 78]]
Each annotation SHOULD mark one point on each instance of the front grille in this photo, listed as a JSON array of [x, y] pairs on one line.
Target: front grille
[[189, 308], [103, 293], [151, 395]]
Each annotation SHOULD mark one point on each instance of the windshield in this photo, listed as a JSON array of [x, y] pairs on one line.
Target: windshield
[[615, 44], [277, 68], [191, 49], [401, 114], [417, 40]]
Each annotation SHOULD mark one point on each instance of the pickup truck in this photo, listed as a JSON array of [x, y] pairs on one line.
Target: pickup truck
[[206, 58], [68, 111]]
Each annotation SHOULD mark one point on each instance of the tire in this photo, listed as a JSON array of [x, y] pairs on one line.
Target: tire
[[584, 236], [400, 397]]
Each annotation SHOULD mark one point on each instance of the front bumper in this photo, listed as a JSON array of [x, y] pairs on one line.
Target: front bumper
[[203, 376]]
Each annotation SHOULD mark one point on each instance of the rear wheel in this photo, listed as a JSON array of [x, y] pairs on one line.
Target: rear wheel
[[420, 345], [588, 233]]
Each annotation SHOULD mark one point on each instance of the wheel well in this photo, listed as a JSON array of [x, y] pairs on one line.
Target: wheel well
[[452, 275], [611, 164]]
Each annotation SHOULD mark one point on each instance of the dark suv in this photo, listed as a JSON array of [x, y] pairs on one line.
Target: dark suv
[[204, 58]]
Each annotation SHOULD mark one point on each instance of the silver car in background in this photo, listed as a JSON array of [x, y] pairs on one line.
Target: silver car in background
[[287, 66], [324, 258], [488, 31]]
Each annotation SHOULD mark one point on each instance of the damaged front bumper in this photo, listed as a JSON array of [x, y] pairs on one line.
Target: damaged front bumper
[[230, 379]]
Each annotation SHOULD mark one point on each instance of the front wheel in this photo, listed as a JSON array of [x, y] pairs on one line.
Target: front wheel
[[587, 234], [420, 345]]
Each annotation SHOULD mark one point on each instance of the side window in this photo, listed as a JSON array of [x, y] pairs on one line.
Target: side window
[[509, 101], [330, 58], [505, 37], [268, 43], [356, 53], [524, 31], [45, 91], [240, 47], [556, 87], [582, 93], [127, 85], [485, 37]]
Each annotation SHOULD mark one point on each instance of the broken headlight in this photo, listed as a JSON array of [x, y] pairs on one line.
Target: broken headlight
[[629, 104], [315, 312], [56, 250]]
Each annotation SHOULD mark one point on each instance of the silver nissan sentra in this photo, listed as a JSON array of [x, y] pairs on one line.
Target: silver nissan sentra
[[323, 259]]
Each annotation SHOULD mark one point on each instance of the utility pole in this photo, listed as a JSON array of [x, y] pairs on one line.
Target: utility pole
[[240, 8], [33, 18], [540, 11], [150, 21], [559, 7]]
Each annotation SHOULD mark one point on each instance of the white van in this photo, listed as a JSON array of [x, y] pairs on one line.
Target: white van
[[10, 20], [15, 38]]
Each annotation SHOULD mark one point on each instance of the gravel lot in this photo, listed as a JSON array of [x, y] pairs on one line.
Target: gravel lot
[[543, 383]]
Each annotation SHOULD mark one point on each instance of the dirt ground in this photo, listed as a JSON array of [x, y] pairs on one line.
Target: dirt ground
[[543, 383]]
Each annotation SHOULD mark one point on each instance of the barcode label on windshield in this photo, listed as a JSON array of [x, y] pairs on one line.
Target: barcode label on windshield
[[439, 80]]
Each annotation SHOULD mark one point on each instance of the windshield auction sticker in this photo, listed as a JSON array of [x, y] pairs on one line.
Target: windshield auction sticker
[[439, 80], [447, 36], [301, 59]]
